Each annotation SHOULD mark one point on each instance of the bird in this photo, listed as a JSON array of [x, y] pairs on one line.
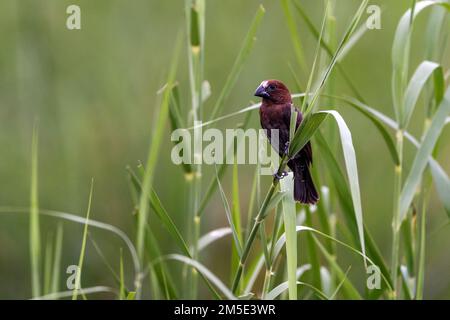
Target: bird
[[275, 113]]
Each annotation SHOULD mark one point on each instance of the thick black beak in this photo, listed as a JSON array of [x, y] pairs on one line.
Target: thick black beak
[[261, 92]]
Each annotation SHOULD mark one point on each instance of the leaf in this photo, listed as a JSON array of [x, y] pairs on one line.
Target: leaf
[[162, 214], [83, 247], [350, 29], [352, 173], [442, 184], [306, 131], [352, 41], [400, 52], [417, 83], [423, 154], [345, 199], [275, 292], [439, 176], [212, 236], [240, 60], [361, 107], [205, 272]]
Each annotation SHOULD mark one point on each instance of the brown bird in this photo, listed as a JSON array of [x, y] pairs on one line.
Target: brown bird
[[275, 113]]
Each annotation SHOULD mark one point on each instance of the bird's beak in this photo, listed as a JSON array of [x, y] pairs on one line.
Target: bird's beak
[[261, 92]]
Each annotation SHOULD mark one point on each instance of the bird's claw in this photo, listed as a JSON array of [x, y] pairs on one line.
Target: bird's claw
[[281, 175]]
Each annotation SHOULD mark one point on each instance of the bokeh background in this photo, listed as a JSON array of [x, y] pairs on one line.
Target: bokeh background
[[93, 92]]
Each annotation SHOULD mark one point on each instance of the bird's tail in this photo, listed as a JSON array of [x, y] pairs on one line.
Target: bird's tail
[[304, 189]]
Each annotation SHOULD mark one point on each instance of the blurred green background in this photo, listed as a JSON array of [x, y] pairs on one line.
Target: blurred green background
[[93, 92]]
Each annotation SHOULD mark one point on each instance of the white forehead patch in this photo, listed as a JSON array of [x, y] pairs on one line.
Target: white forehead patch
[[264, 84]]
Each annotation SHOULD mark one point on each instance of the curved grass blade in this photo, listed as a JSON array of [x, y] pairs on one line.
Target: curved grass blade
[[417, 83], [275, 292], [440, 177], [423, 154], [352, 173], [161, 213], [205, 272], [400, 52], [344, 196], [212, 236], [361, 107], [66, 294]]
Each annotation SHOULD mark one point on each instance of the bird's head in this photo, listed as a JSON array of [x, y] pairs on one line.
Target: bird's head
[[274, 91]]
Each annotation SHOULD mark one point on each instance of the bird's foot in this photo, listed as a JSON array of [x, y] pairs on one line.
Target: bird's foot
[[280, 176], [286, 148]]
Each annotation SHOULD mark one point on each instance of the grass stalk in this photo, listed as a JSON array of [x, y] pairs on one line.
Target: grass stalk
[[396, 223], [35, 238], [262, 214]]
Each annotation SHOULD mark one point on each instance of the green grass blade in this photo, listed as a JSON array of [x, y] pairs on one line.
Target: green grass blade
[[306, 131], [162, 214], [417, 83], [352, 173], [212, 236], [221, 170], [83, 247], [278, 290], [361, 107], [176, 121], [153, 154], [345, 199], [35, 238], [351, 28], [442, 184], [165, 282], [440, 177], [48, 257], [290, 220], [56, 270], [400, 52], [353, 40], [295, 37], [236, 212], [122, 277], [205, 272], [226, 206], [240, 60], [423, 154], [348, 290], [308, 101]]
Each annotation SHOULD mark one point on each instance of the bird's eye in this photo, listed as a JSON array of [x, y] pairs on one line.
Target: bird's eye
[[272, 87]]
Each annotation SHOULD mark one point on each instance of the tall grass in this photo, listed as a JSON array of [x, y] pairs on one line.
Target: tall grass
[[277, 268]]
